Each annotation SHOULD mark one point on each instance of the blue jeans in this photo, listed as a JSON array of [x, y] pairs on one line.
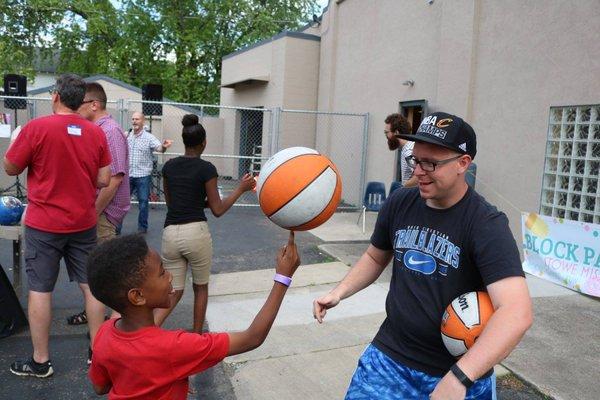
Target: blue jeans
[[379, 377], [141, 186]]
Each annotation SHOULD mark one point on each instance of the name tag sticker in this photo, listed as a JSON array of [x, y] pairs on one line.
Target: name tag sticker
[[74, 130]]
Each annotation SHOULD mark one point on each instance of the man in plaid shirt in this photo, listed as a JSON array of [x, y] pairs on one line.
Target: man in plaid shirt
[[141, 146], [113, 201]]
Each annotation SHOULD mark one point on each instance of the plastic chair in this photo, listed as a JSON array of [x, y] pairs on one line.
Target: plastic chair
[[395, 185], [374, 196], [373, 200], [471, 175]]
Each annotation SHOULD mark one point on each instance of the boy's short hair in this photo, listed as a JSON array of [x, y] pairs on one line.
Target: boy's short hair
[[115, 267], [398, 124]]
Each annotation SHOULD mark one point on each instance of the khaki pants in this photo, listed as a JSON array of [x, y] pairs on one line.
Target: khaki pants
[[105, 229], [187, 244]]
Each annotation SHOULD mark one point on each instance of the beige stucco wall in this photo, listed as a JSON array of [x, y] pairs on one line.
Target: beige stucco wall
[[530, 56], [293, 82], [250, 64], [501, 65]]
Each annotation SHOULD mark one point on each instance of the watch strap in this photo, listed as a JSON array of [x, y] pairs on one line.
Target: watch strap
[[461, 376]]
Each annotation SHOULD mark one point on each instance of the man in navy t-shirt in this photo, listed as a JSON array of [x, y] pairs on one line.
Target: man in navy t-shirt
[[444, 240]]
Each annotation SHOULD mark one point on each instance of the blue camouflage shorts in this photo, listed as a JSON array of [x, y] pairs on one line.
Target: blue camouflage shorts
[[379, 377]]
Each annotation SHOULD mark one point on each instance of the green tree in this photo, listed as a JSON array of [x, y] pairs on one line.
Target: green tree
[[177, 43]]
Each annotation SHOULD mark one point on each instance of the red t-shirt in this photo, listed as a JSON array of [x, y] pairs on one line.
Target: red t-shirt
[[63, 153], [152, 363]]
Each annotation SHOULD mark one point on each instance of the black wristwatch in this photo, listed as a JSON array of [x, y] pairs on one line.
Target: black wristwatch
[[464, 379]]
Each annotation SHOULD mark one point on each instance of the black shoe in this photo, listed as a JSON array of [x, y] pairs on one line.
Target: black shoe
[[142, 231], [89, 358], [78, 319], [32, 368]]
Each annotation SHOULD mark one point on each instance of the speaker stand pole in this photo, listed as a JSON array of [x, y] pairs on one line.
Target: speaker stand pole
[[17, 185]]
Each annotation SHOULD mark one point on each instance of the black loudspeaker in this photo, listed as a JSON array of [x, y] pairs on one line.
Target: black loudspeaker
[[15, 85], [12, 317], [152, 92]]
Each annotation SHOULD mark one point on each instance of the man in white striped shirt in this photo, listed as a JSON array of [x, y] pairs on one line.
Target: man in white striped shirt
[[141, 146], [396, 124]]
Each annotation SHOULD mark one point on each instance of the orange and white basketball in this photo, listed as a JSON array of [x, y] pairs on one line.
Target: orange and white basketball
[[464, 320], [298, 188]]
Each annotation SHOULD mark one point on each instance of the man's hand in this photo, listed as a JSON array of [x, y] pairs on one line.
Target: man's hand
[[322, 304], [166, 144], [449, 388]]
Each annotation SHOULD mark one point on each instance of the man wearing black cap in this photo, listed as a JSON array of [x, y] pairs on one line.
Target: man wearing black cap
[[445, 240]]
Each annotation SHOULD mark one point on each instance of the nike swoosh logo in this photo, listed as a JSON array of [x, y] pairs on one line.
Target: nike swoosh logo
[[416, 262]]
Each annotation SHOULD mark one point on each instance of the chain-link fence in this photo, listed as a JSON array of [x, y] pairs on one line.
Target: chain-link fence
[[340, 136], [239, 139], [19, 111]]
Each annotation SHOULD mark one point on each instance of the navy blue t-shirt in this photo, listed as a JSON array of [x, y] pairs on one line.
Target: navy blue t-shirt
[[438, 255], [186, 178]]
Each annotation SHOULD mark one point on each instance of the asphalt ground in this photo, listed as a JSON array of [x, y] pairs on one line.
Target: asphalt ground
[[243, 240]]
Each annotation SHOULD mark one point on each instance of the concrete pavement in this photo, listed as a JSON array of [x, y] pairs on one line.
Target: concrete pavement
[[302, 360]]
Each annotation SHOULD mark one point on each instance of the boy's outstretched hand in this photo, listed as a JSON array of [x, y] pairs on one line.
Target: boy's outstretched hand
[[288, 259]]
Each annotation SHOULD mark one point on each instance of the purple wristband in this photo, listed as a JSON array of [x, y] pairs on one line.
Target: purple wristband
[[284, 280]]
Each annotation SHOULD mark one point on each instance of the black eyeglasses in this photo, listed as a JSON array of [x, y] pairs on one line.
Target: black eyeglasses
[[89, 101], [428, 166], [52, 91]]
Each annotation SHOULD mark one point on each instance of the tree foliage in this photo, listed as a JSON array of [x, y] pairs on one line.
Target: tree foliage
[[176, 43]]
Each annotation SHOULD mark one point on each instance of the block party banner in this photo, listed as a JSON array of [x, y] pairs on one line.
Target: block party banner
[[562, 251]]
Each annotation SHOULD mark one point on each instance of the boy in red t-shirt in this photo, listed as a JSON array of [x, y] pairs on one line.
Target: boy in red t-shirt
[[135, 359]]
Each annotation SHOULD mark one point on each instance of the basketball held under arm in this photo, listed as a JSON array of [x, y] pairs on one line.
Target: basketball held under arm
[[512, 317], [220, 206], [364, 273]]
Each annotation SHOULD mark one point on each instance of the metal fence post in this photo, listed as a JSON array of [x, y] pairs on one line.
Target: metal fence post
[[32, 108], [276, 134], [121, 107], [363, 168]]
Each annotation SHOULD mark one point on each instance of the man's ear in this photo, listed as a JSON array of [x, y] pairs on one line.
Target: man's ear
[[136, 297], [463, 163]]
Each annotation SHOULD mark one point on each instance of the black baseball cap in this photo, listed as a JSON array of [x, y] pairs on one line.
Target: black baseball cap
[[448, 131]]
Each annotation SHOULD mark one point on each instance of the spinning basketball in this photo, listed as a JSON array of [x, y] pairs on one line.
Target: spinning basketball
[[298, 188], [464, 320]]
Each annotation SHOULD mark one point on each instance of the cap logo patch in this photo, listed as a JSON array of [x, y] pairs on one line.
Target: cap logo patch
[[463, 147], [444, 123], [428, 126]]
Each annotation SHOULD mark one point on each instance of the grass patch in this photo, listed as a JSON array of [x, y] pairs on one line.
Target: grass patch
[[511, 385]]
